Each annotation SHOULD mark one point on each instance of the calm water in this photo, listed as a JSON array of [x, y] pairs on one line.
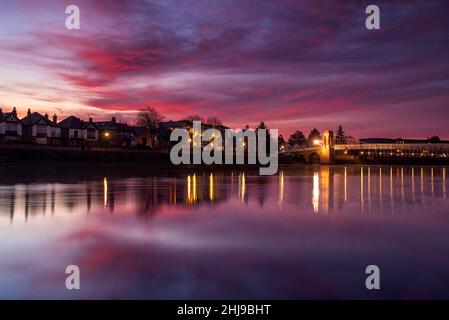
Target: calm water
[[308, 232]]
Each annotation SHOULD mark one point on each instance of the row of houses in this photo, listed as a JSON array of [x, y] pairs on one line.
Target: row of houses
[[39, 129], [36, 128]]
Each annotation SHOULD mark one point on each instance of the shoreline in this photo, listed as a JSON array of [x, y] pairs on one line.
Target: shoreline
[[32, 155]]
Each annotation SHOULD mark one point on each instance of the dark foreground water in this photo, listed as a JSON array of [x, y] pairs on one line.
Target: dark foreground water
[[308, 232]]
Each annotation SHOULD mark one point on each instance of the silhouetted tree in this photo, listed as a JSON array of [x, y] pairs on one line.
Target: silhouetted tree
[[267, 135], [314, 134], [194, 117], [340, 138], [434, 139], [350, 139], [262, 125], [214, 121], [281, 140], [150, 118], [297, 138]]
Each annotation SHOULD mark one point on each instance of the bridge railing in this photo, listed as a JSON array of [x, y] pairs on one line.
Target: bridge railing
[[300, 149], [394, 146]]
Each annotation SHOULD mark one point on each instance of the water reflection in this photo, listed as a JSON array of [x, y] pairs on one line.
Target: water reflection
[[316, 191], [105, 191], [281, 188], [146, 195], [221, 235], [242, 186], [444, 182]]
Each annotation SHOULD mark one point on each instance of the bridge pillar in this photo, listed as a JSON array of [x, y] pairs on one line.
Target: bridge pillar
[[327, 147]]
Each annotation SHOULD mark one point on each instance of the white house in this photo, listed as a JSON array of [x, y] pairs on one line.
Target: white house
[[10, 126], [74, 131], [39, 129]]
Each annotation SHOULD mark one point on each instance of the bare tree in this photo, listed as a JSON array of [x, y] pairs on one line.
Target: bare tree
[[214, 121], [150, 118], [340, 138], [194, 117]]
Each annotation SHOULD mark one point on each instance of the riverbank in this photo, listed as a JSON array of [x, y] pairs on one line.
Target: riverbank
[[52, 155], [48, 154]]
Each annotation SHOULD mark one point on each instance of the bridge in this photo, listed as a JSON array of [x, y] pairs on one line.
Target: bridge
[[325, 151], [319, 151]]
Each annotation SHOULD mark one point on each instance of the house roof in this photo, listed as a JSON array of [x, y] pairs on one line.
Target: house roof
[[9, 115], [88, 124], [36, 117], [71, 122], [113, 125]]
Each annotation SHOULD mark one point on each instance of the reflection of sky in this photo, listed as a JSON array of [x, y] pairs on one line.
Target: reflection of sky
[[294, 64], [306, 233]]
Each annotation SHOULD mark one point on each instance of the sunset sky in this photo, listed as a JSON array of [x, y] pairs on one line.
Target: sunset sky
[[294, 64]]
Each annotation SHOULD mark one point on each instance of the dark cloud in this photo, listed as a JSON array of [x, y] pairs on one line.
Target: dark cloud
[[275, 60]]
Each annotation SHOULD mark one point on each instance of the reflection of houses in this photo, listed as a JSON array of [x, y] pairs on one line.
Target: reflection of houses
[[39, 129], [10, 126], [76, 132], [115, 134]]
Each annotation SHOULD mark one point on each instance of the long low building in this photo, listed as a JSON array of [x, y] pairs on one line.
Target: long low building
[[400, 141]]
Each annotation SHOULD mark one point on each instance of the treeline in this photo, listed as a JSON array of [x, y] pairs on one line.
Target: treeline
[[298, 138], [151, 118]]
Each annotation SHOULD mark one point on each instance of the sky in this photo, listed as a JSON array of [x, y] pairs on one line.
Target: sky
[[294, 64]]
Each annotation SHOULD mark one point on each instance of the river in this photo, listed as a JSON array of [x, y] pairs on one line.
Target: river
[[308, 232]]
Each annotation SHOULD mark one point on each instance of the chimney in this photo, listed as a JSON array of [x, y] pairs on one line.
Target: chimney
[[55, 119], [14, 111], [29, 113], [113, 120], [1, 112], [46, 116]]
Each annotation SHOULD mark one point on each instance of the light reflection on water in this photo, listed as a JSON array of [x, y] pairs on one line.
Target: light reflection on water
[[305, 233], [380, 189]]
